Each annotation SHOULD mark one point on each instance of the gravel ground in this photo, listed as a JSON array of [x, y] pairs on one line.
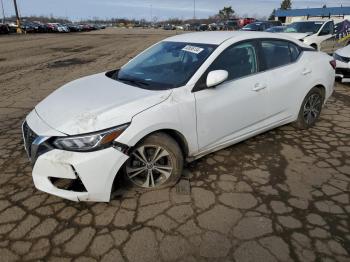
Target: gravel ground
[[280, 196]]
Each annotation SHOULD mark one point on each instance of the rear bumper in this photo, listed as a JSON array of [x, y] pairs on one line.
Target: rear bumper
[[95, 170]]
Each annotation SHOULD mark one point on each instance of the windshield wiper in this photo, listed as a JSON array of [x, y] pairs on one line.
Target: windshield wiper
[[134, 81]]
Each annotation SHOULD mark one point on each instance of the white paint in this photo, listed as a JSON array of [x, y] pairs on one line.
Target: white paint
[[216, 77], [208, 120]]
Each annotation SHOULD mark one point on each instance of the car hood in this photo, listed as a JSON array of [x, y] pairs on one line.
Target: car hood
[[345, 51], [297, 36], [95, 103]]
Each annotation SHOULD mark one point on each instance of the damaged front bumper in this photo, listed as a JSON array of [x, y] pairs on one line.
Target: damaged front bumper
[[78, 176]]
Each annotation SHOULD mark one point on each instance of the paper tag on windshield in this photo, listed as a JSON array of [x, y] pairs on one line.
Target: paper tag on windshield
[[192, 49]]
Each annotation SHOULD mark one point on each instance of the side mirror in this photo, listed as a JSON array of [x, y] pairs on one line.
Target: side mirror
[[216, 77]]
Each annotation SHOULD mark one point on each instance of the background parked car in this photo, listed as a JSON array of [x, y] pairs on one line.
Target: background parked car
[[4, 29], [73, 27], [180, 27], [57, 28], [320, 34], [220, 26], [194, 26], [169, 27], [40, 27], [13, 27], [232, 24], [213, 27], [276, 29], [29, 27], [202, 27], [342, 70], [246, 21], [261, 25]]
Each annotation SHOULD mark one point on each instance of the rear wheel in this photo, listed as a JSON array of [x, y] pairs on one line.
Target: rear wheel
[[156, 162], [310, 109]]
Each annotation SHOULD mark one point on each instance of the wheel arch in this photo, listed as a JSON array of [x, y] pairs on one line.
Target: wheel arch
[[176, 135], [322, 88], [301, 99], [314, 45]]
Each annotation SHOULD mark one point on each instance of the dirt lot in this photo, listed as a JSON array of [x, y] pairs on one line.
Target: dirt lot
[[280, 196]]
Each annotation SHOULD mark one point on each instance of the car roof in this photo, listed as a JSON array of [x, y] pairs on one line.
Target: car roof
[[312, 21], [218, 37]]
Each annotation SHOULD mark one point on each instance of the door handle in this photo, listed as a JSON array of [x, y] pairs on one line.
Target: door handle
[[306, 71], [259, 87]]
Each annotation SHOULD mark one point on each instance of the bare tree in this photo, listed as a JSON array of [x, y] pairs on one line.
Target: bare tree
[[226, 13], [286, 4]]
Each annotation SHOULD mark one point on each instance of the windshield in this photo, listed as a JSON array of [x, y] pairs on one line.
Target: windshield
[[275, 29], [303, 27], [252, 26], [165, 65]]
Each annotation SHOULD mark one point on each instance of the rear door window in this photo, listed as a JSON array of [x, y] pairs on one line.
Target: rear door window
[[278, 53]]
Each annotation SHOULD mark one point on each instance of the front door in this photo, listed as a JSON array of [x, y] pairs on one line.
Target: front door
[[236, 107]]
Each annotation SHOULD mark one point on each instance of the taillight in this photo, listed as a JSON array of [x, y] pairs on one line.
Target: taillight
[[333, 63]]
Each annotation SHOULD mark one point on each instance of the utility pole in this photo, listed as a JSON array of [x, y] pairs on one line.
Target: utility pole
[[19, 29], [194, 9], [3, 12]]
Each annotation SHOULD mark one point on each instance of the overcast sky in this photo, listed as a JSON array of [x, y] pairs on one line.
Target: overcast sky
[[80, 9]]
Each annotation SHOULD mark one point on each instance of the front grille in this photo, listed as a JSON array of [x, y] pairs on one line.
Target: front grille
[[34, 144], [343, 71], [28, 136]]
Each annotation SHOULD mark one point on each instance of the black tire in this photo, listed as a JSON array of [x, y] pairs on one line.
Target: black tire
[[173, 157], [308, 117]]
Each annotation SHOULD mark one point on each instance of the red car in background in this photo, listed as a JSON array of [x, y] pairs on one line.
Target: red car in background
[[246, 21]]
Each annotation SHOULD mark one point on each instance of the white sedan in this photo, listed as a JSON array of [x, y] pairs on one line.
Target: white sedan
[[182, 98], [342, 56]]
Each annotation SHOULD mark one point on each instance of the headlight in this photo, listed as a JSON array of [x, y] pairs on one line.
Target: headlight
[[90, 142], [341, 58], [336, 57]]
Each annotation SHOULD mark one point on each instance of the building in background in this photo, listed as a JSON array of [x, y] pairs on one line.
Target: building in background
[[338, 14]]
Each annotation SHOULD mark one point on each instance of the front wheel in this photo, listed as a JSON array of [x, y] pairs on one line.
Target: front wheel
[[310, 109], [156, 162]]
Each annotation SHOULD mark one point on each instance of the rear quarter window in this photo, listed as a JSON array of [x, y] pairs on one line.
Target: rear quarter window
[[294, 52]]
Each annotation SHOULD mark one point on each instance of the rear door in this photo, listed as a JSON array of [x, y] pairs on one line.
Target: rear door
[[285, 75]]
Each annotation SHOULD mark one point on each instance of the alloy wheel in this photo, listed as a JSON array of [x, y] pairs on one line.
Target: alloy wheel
[[312, 108], [149, 166]]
